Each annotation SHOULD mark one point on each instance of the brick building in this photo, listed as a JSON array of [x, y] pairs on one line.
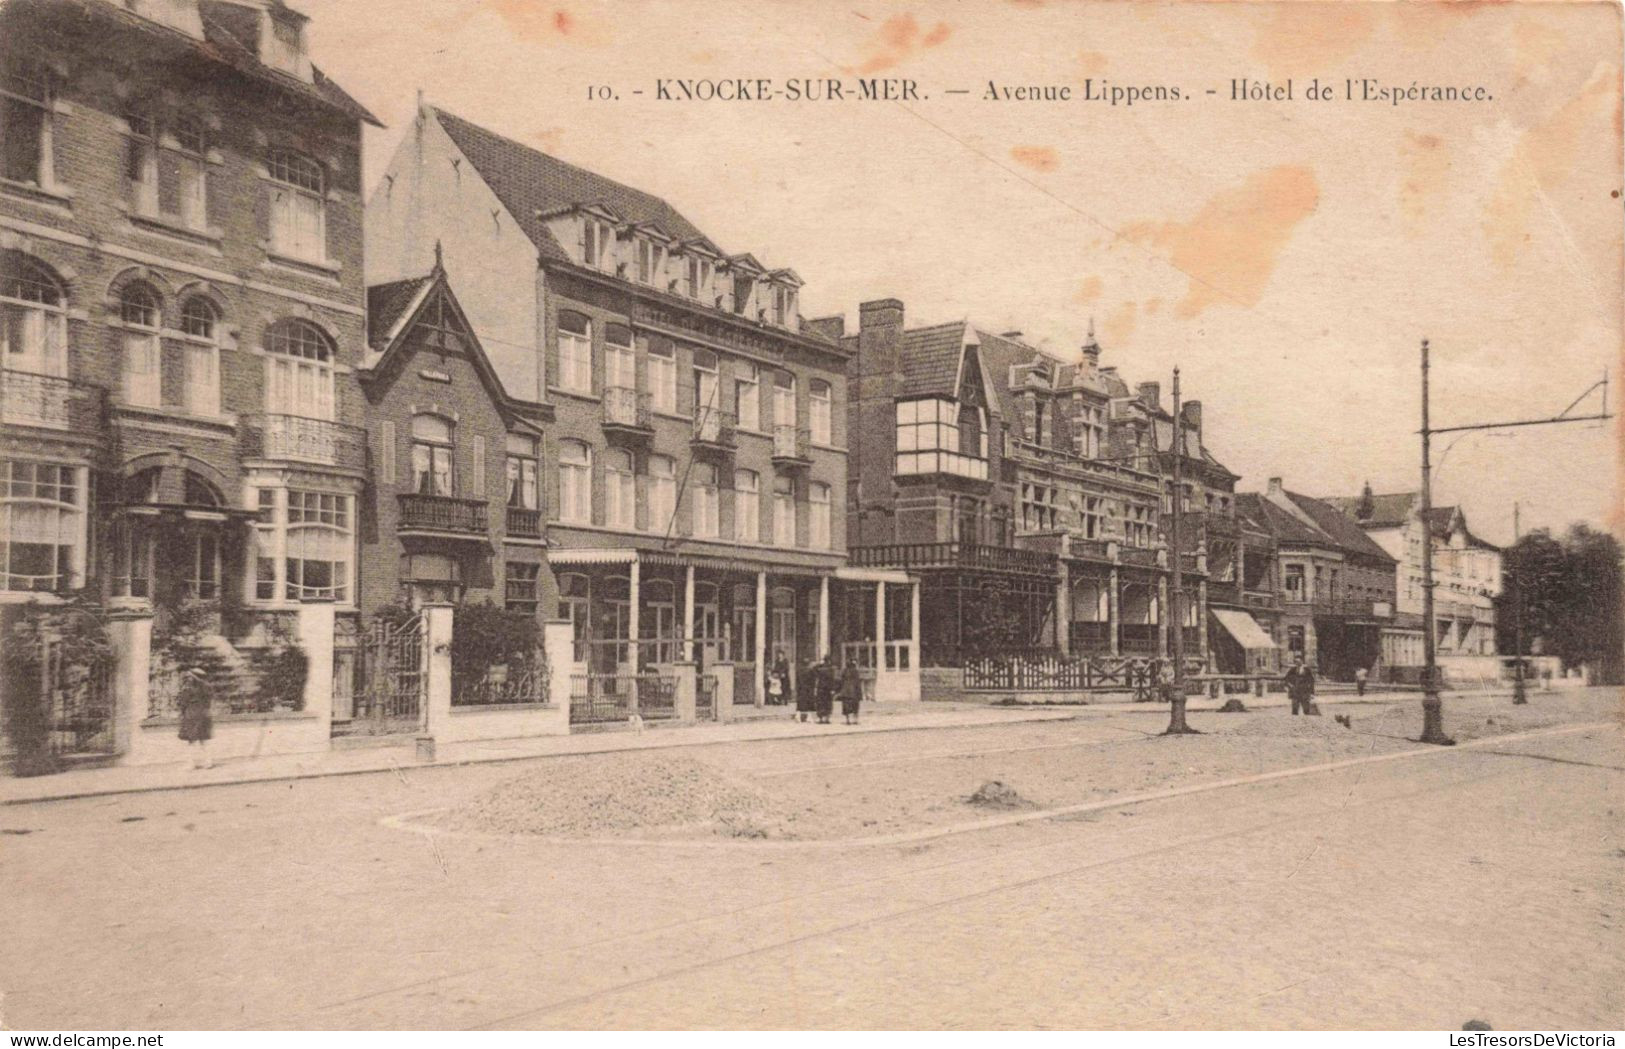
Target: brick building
[[697, 450], [1466, 573], [1029, 491], [1336, 585], [181, 306], [453, 510]]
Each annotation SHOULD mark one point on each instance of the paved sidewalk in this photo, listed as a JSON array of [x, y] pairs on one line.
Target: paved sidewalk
[[81, 783], [1120, 703]]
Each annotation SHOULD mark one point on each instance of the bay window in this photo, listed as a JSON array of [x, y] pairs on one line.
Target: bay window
[[935, 436], [320, 546], [298, 206], [575, 352], [42, 526], [575, 482]]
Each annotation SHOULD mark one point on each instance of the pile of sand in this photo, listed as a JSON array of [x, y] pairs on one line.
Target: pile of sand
[[1278, 724], [603, 795]]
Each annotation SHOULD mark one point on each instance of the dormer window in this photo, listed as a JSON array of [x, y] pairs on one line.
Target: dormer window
[[744, 293], [784, 304], [698, 277], [651, 261], [282, 45], [597, 244]]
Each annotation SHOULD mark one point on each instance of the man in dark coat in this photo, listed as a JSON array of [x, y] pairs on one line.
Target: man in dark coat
[[811, 683], [1300, 686], [824, 699], [851, 691]]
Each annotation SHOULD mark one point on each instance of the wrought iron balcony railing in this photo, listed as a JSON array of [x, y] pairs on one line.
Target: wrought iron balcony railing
[[714, 429], [627, 410], [49, 401], [1140, 556], [954, 555], [294, 438], [791, 444], [524, 522], [442, 513]]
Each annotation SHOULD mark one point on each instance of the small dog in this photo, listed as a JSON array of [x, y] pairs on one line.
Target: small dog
[[1342, 719], [636, 721]]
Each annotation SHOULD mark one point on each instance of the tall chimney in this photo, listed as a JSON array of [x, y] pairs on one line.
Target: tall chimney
[[1091, 348], [1275, 488], [1192, 410], [880, 330], [1151, 394]]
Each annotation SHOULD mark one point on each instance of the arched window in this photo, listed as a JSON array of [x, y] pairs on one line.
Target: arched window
[[298, 370], [33, 330], [707, 513], [820, 404], [620, 490], [747, 506], [199, 319], [298, 206], [432, 470], [142, 316], [662, 492], [575, 352], [575, 482], [42, 526]]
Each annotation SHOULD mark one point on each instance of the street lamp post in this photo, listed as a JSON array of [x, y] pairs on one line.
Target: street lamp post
[[1519, 695], [1176, 611], [1432, 706]]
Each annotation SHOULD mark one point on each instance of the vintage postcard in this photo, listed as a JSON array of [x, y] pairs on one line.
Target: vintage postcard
[[720, 515]]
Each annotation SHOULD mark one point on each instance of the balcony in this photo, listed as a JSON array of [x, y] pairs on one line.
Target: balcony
[[626, 412], [791, 446], [714, 430], [442, 515], [1090, 549], [954, 555], [49, 402], [1139, 556], [1261, 599], [524, 522], [294, 438]]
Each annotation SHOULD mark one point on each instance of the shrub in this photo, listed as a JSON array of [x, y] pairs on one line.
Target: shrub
[[485, 636], [77, 632]]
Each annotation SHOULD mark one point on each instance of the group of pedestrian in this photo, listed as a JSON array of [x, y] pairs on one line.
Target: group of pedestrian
[[819, 686]]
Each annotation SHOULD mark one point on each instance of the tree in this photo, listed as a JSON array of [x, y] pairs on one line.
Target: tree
[[1569, 591]]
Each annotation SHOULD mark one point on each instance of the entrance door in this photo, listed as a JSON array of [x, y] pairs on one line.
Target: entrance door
[[782, 631]]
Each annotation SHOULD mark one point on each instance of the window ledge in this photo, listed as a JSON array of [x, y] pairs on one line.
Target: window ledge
[[163, 226], [60, 196], [324, 268], [580, 395]]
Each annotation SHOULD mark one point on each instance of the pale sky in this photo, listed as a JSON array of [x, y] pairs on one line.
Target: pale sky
[[1287, 256]]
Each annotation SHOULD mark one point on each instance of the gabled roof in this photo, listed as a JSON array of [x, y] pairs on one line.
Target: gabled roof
[[393, 308], [221, 45], [1339, 526], [929, 358], [1388, 511], [529, 183], [1285, 526]]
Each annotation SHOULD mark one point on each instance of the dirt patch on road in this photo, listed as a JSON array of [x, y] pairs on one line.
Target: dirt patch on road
[[620, 795]]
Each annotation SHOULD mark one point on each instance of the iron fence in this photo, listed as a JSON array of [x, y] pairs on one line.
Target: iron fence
[[506, 685], [615, 696], [1054, 673]]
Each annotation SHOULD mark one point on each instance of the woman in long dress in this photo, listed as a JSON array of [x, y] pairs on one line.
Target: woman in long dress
[[197, 724]]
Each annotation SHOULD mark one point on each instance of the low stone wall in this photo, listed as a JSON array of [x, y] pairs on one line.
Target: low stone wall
[[156, 741], [506, 721]]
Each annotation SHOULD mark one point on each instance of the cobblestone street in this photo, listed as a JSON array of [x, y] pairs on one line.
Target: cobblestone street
[[1393, 891]]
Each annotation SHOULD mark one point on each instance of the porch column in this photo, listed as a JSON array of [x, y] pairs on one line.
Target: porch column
[[1063, 610], [635, 596], [880, 627], [914, 624], [1113, 612], [1162, 616], [691, 648], [823, 617], [761, 638]]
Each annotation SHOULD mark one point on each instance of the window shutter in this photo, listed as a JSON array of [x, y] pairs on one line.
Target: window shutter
[[476, 486], [386, 454]]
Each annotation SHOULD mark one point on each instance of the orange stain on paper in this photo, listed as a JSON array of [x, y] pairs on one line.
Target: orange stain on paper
[[1119, 324], [1300, 39], [1427, 175], [1088, 291], [1039, 158], [898, 38], [1229, 249]]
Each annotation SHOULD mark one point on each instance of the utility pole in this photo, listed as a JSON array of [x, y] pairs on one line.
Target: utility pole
[[1176, 715], [1519, 695], [1432, 705]]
